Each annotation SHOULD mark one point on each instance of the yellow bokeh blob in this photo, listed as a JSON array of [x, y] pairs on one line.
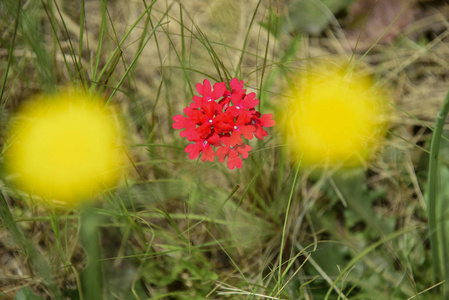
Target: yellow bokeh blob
[[337, 118], [65, 147]]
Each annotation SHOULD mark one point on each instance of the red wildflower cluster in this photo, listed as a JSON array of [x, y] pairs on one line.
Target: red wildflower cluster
[[218, 119]]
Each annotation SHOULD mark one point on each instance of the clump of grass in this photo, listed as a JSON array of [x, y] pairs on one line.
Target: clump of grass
[[180, 229]]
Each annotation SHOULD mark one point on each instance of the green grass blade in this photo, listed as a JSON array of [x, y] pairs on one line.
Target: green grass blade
[[82, 21], [287, 211], [10, 58], [76, 60], [245, 43], [100, 40], [51, 18], [363, 254], [91, 277], [130, 67], [32, 34], [40, 265], [433, 206], [119, 46]]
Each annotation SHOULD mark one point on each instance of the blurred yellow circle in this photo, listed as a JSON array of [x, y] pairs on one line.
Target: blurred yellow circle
[[65, 147], [337, 117]]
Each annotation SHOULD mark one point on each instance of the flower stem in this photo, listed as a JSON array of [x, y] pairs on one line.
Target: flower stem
[[435, 227]]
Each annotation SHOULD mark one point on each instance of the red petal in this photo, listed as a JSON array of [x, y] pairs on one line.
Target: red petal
[[219, 90], [180, 122], [243, 150], [247, 131], [194, 116], [209, 109], [224, 122], [233, 111], [266, 120], [234, 160], [260, 132], [206, 88], [208, 154], [222, 152], [224, 103], [221, 127], [243, 119], [214, 140], [236, 97], [199, 88], [204, 130], [190, 133], [194, 150], [236, 138], [249, 101], [225, 140], [236, 84], [197, 101]]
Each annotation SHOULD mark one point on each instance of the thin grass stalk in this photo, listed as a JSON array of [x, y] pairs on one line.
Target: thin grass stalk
[[238, 70], [362, 254], [48, 8], [100, 41], [383, 33], [10, 57], [82, 23], [120, 44], [130, 67], [80, 73], [180, 57], [41, 268], [261, 94], [295, 180], [434, 225]]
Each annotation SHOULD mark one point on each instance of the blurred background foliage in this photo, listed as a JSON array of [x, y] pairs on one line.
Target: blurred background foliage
[[181, 229]]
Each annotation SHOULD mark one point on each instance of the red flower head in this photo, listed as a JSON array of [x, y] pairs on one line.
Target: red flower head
[[220, 118]]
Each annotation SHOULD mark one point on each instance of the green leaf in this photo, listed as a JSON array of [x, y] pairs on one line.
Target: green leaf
[[313, 16], [25, 293], [351, 187]]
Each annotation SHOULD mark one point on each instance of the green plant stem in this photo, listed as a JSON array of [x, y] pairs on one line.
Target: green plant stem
[[92, 276], [295, 180], [434, 226]]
